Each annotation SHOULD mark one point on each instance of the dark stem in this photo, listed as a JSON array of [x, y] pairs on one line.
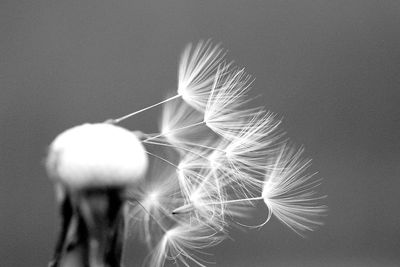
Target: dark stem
[[93, 229]]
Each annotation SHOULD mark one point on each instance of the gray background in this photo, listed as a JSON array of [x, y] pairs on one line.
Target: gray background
[[330, 68]]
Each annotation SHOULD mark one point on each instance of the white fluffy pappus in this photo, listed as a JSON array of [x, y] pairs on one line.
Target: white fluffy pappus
[[223, 113], [196, 72], [183, 244], [289, 192], [181, 125], [149, 215], [229, 156], [226, 157]]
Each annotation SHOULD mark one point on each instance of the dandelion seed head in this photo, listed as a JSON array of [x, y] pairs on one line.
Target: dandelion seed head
[[98, 154], [218, 158]]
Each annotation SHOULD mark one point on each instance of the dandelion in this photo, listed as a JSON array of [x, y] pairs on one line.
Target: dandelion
[[181, 189]]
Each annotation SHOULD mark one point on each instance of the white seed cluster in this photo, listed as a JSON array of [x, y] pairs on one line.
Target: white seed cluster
[[96, 155]]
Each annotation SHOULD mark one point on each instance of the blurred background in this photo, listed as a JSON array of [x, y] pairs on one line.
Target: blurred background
[[329, 68]]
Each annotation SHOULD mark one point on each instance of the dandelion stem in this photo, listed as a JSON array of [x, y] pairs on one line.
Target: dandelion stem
[[115, 121]]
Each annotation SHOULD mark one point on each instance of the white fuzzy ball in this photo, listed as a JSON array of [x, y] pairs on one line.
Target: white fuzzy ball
[[96, 155]]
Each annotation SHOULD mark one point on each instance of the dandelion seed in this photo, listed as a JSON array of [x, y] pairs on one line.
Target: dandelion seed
[[149, 204], [180, 190], [222, 113], [183, 243], [177, 123], [197, 73], [289, 192]]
